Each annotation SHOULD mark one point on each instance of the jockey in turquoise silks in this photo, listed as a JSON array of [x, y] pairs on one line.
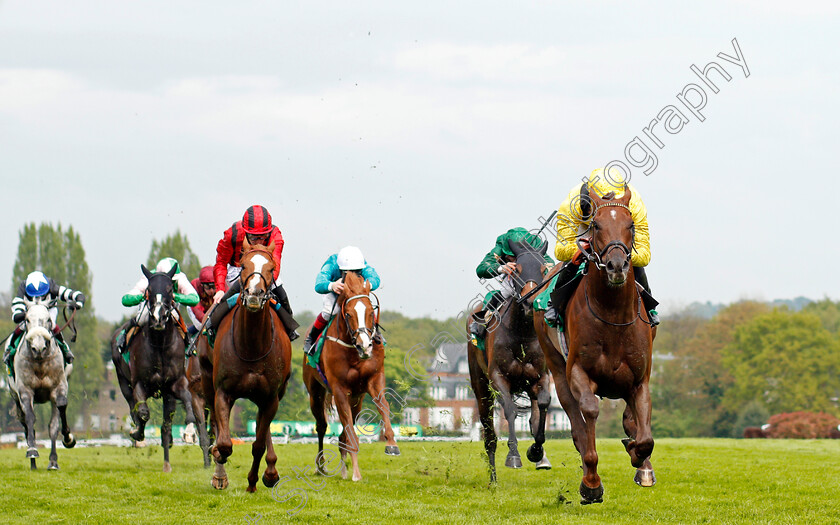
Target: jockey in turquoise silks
[[499, 262], [330, 283]]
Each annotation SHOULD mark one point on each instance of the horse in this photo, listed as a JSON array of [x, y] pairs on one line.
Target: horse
[[156, 366], [352, 363], [40, 376], [199, 406], [251, 359], [609, 338], [514, 363]]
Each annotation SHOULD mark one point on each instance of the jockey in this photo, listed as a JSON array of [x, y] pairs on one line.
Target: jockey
[[330, 283], [256, 226], [205, 284], [38, 285], [572, 226], [184, 294], [500, 262]]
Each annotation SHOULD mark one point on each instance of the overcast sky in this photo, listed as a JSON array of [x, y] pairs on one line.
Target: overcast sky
[[420, 131]]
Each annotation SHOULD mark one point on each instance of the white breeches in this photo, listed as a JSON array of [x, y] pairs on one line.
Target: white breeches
[[331, 307]]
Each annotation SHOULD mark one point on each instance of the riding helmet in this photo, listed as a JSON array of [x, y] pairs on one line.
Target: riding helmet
[[37, 284], [256, 220]]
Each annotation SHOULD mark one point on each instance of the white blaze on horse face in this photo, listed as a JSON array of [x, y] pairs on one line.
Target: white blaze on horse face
[[156, 311], [254, 281], [612, 214], [360, 315]]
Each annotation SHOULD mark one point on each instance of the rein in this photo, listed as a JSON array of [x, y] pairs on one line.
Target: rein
[[70, 322], [364, 329]]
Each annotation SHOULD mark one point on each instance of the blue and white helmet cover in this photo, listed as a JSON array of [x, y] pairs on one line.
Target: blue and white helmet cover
[[37, 284]]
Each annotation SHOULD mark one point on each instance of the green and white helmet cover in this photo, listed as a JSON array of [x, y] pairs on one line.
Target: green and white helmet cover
[[166, 264]]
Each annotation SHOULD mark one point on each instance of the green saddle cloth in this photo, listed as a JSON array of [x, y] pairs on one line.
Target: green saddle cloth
[[319, 346]]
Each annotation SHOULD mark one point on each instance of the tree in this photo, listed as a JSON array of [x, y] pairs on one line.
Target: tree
[[60, 255], [691, 385], [788, 361], [178, 247]]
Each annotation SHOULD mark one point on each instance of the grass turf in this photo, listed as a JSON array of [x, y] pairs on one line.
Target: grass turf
[[699, 481]]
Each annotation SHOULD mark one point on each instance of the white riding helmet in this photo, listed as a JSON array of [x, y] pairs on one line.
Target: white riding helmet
[[350, 258]]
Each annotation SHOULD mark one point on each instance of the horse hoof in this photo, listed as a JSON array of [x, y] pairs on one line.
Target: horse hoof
[[544, 464], [392, 450], [32, 453], [357, 477], [589, 495], [138, 436], [535, 453], [219, 483], [513, 462], [645, 477], [53, 465], [270, 481], [69, 441], [167, 468]]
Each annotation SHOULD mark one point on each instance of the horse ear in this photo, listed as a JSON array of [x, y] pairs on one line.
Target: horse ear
[[271, 246], [515, 246], [585, 202], [367, 287], [28, 302], [146, 271], [544, 249], [627, 195], [246, 246], [172, 271]]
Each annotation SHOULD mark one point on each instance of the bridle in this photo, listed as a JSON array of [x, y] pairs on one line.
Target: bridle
[[243, 293], [371, 332], [594, 255], [166, 305]]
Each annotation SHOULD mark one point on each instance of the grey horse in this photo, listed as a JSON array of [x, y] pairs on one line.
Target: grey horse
[[40, 376]]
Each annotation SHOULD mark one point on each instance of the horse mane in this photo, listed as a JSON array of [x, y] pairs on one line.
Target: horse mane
[[354, 283]]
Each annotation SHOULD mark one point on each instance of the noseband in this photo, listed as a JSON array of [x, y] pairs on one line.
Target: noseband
[[243, 294], [362, 329]]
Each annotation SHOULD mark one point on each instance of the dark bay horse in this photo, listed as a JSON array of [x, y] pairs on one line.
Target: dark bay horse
[[156, 363], [610, 342], [352, 361], [199, 406], [514, 363], [40, 376], [251, 359]]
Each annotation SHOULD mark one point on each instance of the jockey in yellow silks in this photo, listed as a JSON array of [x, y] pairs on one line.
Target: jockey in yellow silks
[[571, 226]]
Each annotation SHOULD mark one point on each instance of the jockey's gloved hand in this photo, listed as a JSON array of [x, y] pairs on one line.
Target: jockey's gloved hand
[[19, 317], [79, 301]]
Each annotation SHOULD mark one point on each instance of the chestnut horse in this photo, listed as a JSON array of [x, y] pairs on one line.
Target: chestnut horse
[[513, 363], [251, 359], [610, 340], [352, 361]]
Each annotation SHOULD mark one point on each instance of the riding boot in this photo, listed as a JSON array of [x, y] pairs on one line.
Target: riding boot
[[561, 294], [483, 318], [312, 336], [11, 347], [220, 311], [648, 300], [122, 339], [284, 310], [65, 350]]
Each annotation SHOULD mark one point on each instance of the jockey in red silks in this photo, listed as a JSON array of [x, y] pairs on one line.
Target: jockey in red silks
[[257, 227], [205, 285]]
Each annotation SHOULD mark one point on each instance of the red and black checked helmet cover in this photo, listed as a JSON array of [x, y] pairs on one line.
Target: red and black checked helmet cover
[[256, 220]]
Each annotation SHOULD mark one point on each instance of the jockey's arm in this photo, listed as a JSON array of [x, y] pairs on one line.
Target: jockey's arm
[[136, 295], [370, 275], [489, 266], [325, 276], [186, 294], [640, 254], [568, 222]]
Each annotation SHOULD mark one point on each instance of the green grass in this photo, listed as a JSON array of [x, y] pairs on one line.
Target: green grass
[[699, 481]]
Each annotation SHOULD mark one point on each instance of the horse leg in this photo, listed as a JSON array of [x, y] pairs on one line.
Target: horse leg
[[28, 412], [201, 422], [263, 435], [639, 441], [350, 442], [54, 428], [127, 391], [376, 389], [539, 407], [223, 447], [591, 489], [503, 386], [557, 365], [317, 404], [166, 429], [142, 412]]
